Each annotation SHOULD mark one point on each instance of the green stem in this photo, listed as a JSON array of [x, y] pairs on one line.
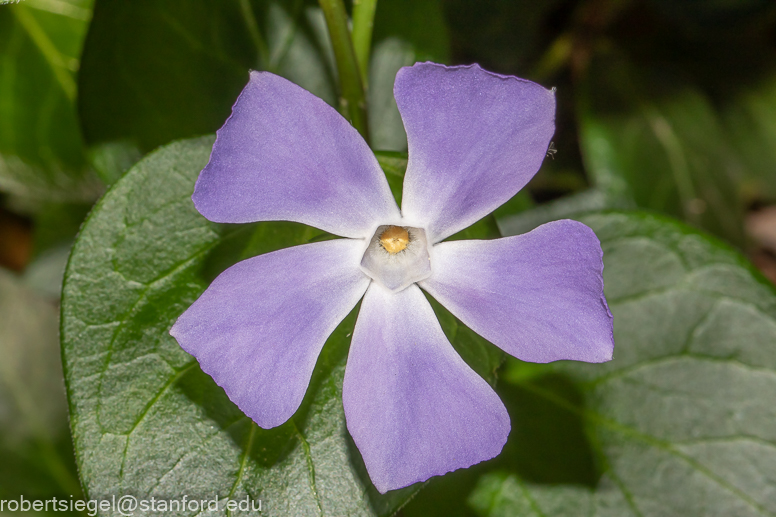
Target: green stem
[[363, 22], [352, 99]]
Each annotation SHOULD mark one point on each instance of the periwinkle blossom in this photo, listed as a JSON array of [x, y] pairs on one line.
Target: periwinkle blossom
[[414, 408]]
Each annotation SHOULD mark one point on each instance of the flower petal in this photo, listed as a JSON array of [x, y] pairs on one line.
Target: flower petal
[[259, 327], [537, 296], [414, 408], [475, 138], [284, 154]]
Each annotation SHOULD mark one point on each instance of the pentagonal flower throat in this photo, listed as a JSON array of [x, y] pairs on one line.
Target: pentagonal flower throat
[[397, 257]]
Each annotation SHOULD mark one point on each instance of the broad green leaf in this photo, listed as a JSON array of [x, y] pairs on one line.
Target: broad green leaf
[[681, 422], [182, 76], [662, 138], [145, 419], [41, 150], [36, 455]]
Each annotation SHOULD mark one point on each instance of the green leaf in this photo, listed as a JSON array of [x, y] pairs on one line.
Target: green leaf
[[656, 137], [41, 150], [145, 419], [681, 421], [182, 76]]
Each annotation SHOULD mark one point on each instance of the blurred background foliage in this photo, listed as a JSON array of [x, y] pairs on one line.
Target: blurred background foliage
[[664, 105]]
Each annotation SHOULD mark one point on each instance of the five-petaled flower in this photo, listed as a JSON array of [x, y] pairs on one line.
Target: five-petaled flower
[[413, 407]]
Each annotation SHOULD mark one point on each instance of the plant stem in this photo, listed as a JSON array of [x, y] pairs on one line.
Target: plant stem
[[352, 98], [363, 22]]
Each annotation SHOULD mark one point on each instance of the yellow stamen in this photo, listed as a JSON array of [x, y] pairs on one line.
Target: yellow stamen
[[395, 239]]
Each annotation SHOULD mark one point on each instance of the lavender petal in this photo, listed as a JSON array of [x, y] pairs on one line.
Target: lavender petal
[[284, 154], [475, 138], [259, 327], [537, 296], [414, 408]]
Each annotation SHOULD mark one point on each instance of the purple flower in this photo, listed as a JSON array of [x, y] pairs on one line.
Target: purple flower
[[413, 407]]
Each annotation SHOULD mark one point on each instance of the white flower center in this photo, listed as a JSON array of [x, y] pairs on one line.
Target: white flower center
[[397, 257]]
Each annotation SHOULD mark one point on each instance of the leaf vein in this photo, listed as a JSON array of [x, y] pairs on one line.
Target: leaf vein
[[310, 466], [148, 407]]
